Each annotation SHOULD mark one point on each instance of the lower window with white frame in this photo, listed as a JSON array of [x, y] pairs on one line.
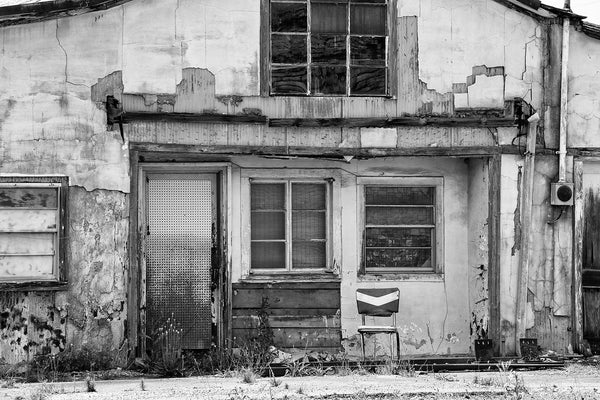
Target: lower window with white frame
[[402, 225], [289, 225]]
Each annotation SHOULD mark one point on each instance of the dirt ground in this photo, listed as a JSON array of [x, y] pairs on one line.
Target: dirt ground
[[573, 382]]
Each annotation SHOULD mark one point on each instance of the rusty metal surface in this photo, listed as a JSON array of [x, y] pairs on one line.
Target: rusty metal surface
[[179, 256]]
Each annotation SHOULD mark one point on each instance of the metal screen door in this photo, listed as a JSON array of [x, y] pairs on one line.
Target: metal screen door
[[181, 213]]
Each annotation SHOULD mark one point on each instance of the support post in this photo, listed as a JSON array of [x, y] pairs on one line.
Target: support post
[[526, 233]]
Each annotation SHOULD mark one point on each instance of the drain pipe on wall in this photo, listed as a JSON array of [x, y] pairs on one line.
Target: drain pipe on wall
[[564, 93], [526, 231]]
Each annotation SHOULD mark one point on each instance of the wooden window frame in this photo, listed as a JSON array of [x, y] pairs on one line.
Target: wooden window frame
[[390, 51], [438, 242], [332, 179], [58, 279]]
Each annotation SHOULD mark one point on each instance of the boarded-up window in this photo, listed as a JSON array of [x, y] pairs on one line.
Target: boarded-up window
[[401, 228], [289, 225], [322, 47], [32, 212]]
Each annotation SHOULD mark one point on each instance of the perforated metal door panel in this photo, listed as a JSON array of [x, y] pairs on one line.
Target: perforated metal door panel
[[180, 219]]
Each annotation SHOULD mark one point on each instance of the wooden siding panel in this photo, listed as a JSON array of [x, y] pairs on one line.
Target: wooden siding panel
[[310, 339], [286, 298], [302, 315]]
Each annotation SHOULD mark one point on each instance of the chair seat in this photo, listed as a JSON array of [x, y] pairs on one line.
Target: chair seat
[[377, 329]]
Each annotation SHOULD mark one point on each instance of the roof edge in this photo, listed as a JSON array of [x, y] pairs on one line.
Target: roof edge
[[35, 12], [590, 29]]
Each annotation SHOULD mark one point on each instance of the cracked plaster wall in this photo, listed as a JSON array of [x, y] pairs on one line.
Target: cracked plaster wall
[[584, 91], [91, 312], [456, 35]]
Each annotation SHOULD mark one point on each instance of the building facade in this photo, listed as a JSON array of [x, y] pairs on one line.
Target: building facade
[[209, 162]]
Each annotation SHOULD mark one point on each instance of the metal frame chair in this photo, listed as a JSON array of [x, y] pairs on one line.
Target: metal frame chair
[[379, 303]]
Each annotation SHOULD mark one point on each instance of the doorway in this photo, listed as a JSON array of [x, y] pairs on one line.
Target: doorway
[[181, 231]]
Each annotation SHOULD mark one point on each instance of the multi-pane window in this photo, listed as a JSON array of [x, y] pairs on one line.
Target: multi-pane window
[[321, 47], [32, 213], [401, 225], [289, 225]]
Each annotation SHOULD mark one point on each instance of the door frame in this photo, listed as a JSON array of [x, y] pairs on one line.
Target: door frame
[[137, 272]]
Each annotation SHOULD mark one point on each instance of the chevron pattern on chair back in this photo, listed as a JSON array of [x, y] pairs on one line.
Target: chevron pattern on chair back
[[378, 302]]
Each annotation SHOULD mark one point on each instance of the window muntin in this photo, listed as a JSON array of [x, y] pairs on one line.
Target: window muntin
[[320, 47], [32, 213], [401, 225], [289, 225]]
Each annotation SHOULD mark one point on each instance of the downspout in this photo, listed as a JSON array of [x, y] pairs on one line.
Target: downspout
[[564, 93], [526, 232]]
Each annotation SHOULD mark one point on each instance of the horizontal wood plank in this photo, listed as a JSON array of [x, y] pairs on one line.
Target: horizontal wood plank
[[287, 285], [482, 122], [310, 338], [286, 298], [194, 117], [301, 322], [289, 312]]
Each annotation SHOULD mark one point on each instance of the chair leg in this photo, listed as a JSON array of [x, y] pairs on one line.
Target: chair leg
[[362, 345]]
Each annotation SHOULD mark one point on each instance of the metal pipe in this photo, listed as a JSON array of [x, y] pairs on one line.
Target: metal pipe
[[564, 93]]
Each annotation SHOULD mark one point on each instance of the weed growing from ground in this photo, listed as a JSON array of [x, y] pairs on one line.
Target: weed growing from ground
[[90, 384], [167, 352], [248, 375]]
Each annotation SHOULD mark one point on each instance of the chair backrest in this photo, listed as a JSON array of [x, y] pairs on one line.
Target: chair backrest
[[378, 302]]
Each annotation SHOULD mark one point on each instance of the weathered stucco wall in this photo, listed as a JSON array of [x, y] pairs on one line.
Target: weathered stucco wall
[[584, 91], [549, 284], [91, 311], [456, 36]]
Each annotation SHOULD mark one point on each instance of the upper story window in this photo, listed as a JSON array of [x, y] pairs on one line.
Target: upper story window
[[32, 230], [335, 48]]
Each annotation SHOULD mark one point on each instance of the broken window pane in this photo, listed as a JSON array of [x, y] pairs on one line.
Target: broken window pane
[[288, 49], [367, 20], [268, 255], [289, 80], [398, 258], [308, 254], [288, 17], [328, 18], [329, 49], [367, 81], [399, 237], [399, 195], [367, 50], [328, 80]]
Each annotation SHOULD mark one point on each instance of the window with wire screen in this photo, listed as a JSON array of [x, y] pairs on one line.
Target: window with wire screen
[[401, 228], [324, 47], [32, 229], [289, 225]]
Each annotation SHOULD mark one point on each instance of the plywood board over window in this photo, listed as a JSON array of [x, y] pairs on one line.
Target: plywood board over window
[[327, 48], [32, 231], [402, 225]]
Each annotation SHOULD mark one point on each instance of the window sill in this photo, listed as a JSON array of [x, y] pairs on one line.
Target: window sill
[[402, 276], [291, 276], [28, 286]]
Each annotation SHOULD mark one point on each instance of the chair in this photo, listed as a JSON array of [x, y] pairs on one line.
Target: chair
[[378, 303]]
